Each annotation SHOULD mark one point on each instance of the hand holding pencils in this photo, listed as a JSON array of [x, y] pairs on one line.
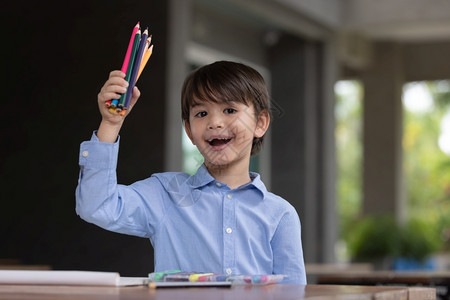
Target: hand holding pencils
[[137, 55]]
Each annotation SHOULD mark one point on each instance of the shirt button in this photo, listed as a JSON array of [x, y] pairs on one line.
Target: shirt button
[[229, 230], [229, 196], [85, 153], [228, 271], [218, 184]]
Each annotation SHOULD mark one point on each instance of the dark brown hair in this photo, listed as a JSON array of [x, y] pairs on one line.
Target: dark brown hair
[[226, 81]]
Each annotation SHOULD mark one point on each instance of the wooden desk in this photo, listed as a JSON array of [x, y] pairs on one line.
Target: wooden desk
[[275, 291], [439, 280], [315, 270]]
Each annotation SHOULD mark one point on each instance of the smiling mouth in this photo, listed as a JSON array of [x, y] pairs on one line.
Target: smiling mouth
[[218, 142]]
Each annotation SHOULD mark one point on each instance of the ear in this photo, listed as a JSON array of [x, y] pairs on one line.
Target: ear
[[187, 129], [262, 124]]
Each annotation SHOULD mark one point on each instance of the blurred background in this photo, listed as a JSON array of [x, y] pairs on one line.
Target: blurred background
[[359, 142]]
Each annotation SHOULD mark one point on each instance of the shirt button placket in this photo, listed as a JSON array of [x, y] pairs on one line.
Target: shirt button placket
[[229, 221]]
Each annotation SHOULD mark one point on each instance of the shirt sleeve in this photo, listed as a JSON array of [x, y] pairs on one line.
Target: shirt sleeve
[[101, 201], [287, 249]]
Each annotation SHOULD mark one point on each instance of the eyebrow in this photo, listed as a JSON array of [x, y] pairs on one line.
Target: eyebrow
[[196, 104]]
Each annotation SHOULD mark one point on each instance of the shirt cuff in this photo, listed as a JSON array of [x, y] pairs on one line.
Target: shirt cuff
[[95, 154]]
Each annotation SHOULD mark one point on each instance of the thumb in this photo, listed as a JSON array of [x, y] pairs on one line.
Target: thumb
[[135, 96]]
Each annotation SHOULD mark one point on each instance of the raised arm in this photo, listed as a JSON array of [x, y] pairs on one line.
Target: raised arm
[[97, 192]]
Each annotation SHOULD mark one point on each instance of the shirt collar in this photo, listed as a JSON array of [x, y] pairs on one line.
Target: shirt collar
[[202, 178], [257, 183]]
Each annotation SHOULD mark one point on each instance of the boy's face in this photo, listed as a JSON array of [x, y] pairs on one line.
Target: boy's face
[[224, 131]]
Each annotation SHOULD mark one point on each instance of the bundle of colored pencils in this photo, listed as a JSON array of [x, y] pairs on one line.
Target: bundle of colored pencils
[[138, 52]]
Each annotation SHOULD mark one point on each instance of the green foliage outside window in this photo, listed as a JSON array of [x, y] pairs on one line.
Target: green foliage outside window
[[426, 166], [348, 135], [382, 237]]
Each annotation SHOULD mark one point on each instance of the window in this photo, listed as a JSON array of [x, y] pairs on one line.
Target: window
[[426, 152], [348, 136]]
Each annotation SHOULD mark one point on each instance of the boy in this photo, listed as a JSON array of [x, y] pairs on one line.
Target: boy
[[220, 220]]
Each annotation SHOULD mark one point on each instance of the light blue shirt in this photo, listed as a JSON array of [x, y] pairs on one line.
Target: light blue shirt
[[195, 223]]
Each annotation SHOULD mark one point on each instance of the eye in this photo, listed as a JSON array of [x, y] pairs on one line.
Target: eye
[[200, 114], [230, 111]]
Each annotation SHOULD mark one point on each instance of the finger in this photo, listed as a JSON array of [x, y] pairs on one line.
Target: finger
[[103, 97], [116, 81], [115, 78], [116, 73], [135, 96], [111, 92], [112, 89]]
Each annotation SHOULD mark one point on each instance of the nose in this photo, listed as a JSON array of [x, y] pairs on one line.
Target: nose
[[215, 122]]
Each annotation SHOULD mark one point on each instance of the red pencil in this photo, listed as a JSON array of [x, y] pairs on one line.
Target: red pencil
[[126, 60]]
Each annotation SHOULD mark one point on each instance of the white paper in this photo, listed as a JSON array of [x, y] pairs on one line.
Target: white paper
[[129, 281], [50, 277]]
